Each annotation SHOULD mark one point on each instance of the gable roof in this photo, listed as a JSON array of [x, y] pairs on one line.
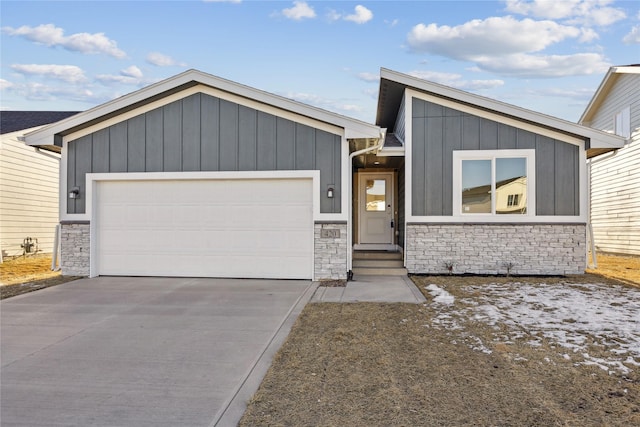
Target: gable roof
[[603, 90], [50, 137], [393, 85], [13, 121]]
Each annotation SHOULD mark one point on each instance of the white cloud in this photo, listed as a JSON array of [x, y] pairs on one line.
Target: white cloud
[[584, 94], [50, 35], [361, 15], [42, 92], [161, 60], [587, 35], [633, 37], [524, 65], [332, 15], [129, 76], [67, 73], [299, 11], [132, 71], [368, 77], [5, 84], [494, 36], [585, 12], [455, 80], [318, 101], [372, 92], [391, 23]]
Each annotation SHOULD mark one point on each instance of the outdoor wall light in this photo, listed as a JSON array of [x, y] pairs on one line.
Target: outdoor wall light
[[74, 193], [330, 192]]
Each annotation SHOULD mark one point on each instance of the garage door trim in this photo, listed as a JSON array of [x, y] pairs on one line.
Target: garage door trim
[[94, 179]]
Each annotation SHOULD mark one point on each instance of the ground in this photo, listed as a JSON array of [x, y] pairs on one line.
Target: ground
[[485, 351], [481, 351], [26, 274], [625, 268]]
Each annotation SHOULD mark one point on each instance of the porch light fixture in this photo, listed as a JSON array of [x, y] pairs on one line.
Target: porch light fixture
[[74, 193], [330, 192]]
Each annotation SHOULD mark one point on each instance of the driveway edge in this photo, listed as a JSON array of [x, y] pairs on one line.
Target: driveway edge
[[232, 411]]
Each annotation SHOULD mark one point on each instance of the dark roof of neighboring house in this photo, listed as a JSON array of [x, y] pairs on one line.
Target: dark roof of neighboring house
[[484, 189], [12, 121]]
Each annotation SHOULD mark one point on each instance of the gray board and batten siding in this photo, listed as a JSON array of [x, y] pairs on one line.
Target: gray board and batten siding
[[205, 133], [437, 131]]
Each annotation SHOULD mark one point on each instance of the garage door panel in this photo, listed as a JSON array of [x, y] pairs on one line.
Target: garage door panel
[[205, 228]]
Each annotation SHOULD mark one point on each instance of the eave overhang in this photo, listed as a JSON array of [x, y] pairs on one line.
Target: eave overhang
[[394, 84], [50, 137], [603, 90]]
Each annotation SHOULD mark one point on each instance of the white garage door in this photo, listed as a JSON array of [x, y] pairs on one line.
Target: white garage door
[[205, 228]]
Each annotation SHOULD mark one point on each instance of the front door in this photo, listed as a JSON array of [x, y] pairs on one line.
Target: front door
[[376, 208]]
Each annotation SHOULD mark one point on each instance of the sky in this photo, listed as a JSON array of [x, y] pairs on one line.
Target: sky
[[545, 55]]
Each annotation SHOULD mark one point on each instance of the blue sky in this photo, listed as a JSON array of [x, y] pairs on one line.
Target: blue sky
[[545, 55]]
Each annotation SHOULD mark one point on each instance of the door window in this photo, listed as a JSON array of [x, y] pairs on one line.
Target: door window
[[376, 195]]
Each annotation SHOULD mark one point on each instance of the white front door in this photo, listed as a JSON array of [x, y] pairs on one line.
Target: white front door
[[376, 208]]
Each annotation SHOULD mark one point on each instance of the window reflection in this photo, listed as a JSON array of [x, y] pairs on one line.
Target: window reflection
[[511, 185], [509, 188], [376, 195], [476, 186]]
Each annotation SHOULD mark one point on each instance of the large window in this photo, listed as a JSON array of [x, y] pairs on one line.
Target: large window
[[496, 182]]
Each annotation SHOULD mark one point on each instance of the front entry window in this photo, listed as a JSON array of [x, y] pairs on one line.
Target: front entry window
[[376, 195]]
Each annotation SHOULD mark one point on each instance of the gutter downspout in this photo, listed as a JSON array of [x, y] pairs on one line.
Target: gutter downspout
[[594, 256], [350, 207]]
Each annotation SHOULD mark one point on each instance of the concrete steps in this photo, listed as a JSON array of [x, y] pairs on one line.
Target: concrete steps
[[378, 263]]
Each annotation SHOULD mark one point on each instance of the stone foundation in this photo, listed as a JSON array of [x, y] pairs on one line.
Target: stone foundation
[[537, 249], [75, 248], [330, 243]]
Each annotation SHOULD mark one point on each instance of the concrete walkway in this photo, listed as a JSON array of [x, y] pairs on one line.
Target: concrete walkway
[[372, 289]]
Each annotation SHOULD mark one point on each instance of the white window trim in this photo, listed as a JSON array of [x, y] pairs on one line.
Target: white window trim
[[460, 155], [622, 123]]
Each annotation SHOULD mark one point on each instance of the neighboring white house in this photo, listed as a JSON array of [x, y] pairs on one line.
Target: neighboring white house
[[615, 177], [29, 181]]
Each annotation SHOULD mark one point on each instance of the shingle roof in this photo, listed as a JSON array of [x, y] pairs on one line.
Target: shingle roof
[[12, 121]]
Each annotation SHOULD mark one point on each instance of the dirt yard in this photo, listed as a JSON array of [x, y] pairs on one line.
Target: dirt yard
[[482, 351], [625, 268], [27, 274]]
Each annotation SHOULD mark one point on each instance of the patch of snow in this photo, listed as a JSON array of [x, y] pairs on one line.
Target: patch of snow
[[440, 295], [574, 317]]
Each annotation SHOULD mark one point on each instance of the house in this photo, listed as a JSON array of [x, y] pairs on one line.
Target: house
[[28, 185], [200, 176], [460, 151], [615, 177]]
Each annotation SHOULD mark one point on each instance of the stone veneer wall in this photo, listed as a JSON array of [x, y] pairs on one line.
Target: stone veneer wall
[[330, 261], [540, 249], [75, 248]]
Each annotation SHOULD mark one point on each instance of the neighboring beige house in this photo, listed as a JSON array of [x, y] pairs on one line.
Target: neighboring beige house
[[29, 181], [615, 177]]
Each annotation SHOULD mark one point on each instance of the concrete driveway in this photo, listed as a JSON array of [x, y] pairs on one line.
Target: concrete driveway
[[142, 351]]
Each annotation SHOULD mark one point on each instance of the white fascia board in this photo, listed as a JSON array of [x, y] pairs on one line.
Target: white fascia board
[[489, 115], [208, 90], [597, 98], [353, 128], [93, 178], [598, 139], [603, 90]]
